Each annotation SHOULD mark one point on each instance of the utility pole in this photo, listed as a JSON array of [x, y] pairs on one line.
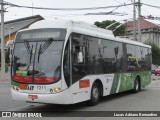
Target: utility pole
[[139, 21], [32, 8], [125, 23], [2, 42], [134, 21]]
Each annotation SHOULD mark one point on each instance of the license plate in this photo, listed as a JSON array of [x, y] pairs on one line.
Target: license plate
[[33, 97]]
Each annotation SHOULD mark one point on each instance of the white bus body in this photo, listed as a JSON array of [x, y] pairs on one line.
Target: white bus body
[[79, 90]]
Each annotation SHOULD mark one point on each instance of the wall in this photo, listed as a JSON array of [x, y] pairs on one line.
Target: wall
[[12, 37]]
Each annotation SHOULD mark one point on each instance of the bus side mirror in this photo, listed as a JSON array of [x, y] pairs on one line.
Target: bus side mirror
[[80, 57]]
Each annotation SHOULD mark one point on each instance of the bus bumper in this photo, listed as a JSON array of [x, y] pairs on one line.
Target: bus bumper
[[58, 98]]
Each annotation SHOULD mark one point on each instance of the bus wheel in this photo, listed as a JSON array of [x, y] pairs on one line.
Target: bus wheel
[[95, 94], [137, 86]]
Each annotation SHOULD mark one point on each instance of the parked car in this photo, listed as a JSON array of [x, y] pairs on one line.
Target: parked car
[[154, 67], [157, 71]]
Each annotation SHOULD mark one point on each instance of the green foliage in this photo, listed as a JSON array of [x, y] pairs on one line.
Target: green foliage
[[155, 53], [118, 32]]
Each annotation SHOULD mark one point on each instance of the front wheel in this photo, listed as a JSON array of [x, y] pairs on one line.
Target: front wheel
[[95, 94]]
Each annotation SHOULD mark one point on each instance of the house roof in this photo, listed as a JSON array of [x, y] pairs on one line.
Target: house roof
[[18, 24], [157, 22], [23, 19], [145, 23]]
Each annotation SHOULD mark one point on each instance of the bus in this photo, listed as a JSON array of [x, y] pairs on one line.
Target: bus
[[66, 62]]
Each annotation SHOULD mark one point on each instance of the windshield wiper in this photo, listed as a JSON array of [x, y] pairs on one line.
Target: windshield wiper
[[30, 59], [44, 47], [26, 43], [29, 50]]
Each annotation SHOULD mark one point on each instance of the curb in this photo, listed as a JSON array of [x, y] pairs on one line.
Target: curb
[[4, 81]]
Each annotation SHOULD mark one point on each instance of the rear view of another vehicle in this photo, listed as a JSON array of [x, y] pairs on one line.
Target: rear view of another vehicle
[[153, 68], [157, 71]]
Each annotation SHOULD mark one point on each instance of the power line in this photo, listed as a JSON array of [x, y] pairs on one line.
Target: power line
[[76, 9], [66, 9], [107, 13], [124, 3], [145, 11], [151, 5], [91, 8]]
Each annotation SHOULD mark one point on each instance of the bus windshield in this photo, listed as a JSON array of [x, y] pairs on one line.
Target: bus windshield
[[37, 56]]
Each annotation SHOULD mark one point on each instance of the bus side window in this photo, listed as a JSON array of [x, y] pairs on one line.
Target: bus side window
[[76, 51], [79, 57], [79, 62]]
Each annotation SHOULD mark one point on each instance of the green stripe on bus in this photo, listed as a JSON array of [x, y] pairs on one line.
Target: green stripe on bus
[[127, 80]]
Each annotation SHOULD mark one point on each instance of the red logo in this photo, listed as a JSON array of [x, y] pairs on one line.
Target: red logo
[[33, 97], [23, 86], [84, 83]]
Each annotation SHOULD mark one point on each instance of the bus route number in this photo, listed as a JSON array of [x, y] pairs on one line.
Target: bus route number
[[41, 87]]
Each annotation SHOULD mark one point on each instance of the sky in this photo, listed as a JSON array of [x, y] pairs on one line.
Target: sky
[[15, 13]]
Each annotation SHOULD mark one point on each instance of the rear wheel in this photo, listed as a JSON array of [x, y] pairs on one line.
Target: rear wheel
[[137, 85], [95, 94]]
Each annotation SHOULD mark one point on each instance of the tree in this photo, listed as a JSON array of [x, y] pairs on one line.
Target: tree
[[118, 32], [155, 53]]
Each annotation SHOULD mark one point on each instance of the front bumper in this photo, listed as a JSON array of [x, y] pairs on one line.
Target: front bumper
[[57, 98]]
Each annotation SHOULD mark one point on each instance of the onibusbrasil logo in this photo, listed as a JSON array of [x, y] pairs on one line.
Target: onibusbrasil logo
[[21, 114]]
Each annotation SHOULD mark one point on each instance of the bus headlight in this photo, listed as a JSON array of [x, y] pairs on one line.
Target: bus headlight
[[57, 89]]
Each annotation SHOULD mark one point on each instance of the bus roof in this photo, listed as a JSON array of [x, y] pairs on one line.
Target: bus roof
[[82, 28]]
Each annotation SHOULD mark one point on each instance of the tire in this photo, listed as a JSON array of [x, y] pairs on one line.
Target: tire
[[137, 86], [95, 94]]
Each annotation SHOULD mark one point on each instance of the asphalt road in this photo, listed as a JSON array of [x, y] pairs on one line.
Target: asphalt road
[[148, 99]]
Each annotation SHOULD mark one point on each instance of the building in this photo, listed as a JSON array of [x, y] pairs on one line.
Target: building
[[11, 27], [150, 30]]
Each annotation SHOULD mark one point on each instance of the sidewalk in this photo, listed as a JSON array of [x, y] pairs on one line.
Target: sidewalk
[[155, 77], [155, 81], [7, 77]]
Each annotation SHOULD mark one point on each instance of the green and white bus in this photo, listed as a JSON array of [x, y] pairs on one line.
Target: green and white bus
[[65, 62]]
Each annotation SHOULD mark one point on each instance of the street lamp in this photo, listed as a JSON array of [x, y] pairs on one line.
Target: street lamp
[[9, 30], [9, 47]]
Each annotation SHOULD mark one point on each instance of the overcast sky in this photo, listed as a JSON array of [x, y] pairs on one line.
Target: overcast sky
[[14, 13]]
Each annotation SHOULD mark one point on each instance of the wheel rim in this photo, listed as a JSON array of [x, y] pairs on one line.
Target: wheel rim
[[95, 93], [137, 86]]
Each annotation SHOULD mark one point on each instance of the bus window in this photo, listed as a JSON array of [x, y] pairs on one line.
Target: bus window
[[37, 57], [105, 56], [132, 58], [79, 67], [66, 64]]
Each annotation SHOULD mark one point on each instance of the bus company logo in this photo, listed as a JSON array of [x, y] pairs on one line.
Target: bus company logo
[[23, 86], [84, 83], [6, 114]]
